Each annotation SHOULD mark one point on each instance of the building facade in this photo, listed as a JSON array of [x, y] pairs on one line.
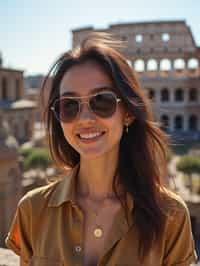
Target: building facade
[[167, 62], [15, 109]]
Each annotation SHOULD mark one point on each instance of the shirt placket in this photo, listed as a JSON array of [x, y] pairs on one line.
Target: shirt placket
[[119, 229], [78, 227]]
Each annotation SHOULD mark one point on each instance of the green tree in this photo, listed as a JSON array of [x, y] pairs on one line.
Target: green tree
[[38, 158], [25, 152], [189, 165]]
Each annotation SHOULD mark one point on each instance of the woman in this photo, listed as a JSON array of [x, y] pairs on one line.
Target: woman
[[113, 207]]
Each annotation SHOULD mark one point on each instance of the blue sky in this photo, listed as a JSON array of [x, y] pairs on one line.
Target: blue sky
[[34, 32]]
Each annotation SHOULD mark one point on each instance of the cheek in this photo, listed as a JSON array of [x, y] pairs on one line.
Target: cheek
[[116, 125], [67, 131]]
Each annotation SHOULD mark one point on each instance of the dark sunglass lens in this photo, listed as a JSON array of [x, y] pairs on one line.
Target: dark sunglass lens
[[103, 104], [66, 109]]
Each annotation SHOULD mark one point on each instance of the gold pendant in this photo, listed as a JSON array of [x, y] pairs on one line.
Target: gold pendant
[[98, 232]]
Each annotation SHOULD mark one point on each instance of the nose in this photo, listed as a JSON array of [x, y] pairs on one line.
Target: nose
[[85, 112]]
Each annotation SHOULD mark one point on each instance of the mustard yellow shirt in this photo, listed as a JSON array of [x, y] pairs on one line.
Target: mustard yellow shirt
[[47, 230]]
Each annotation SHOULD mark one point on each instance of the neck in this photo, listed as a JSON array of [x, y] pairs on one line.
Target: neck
[[96, 177]]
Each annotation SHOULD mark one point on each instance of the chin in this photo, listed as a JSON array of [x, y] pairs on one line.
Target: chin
[[92, 155]]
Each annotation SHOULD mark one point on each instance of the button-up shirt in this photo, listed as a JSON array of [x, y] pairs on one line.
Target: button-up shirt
[[48, 230]]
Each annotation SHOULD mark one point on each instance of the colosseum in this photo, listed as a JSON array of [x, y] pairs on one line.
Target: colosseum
[[167, 60]]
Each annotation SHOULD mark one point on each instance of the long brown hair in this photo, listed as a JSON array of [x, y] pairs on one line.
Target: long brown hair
[[143, 150]]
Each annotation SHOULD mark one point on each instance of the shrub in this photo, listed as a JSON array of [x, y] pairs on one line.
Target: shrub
[[189, 165], [25, 152], [37, 158]]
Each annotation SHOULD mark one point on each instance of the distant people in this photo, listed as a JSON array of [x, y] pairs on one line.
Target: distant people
[[112, 207]]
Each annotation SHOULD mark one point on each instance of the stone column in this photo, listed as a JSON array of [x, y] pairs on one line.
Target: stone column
[[145, 64], [185, 122], [171, 125]]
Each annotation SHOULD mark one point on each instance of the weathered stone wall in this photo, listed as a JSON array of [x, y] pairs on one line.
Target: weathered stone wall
[[18, 113]]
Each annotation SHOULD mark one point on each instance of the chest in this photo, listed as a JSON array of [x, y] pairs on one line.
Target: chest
[[97, 226], [68, 240]]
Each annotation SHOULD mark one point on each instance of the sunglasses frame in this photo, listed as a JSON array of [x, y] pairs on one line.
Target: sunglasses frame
[[78, 99]]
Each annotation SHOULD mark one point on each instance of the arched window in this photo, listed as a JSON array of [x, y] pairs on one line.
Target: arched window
[[165, 95], [164, 119], [151, 94], [179, 95], [152, 65], [139, 38], [192, 123], [193, 63], [139, 65], [165, 37], [179, 64], [193, 96], [4, 89], [178, 122], [165, 65]]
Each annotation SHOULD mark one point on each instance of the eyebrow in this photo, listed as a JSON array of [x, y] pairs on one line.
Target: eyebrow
[[94, 90]]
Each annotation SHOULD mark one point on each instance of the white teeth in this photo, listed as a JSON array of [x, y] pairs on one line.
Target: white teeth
[[90, 135]]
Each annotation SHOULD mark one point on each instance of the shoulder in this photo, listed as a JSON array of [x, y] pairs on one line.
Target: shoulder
[[39, 195], [175, 203], [176, 210], [40, 198], [178, 239]]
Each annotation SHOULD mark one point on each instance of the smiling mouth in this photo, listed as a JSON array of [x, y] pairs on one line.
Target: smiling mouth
[[90, 136]]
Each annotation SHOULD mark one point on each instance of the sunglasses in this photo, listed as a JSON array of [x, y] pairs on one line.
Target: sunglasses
[[102, 104]]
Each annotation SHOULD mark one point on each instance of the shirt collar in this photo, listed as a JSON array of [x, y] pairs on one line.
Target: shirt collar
[[65, 191]]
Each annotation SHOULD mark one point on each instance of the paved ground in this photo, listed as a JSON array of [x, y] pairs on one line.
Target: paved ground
[[8, 258]]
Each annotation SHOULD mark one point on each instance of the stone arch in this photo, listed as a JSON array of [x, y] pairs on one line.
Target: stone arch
[[179, 64], [193, 95], [165, 64], [139, 65], [164, 95], [179, 95], [152, 65], [193, 122], [178, 122], [192, 63]]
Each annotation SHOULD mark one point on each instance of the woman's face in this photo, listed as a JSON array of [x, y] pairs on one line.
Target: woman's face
[[81, 80]]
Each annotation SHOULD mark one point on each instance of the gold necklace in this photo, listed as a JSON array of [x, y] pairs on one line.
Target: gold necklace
[[98, 231]]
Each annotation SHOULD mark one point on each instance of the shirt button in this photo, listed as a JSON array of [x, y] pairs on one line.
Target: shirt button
[[78, 248]]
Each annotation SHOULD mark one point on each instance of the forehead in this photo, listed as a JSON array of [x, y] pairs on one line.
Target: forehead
[[84, 79]]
